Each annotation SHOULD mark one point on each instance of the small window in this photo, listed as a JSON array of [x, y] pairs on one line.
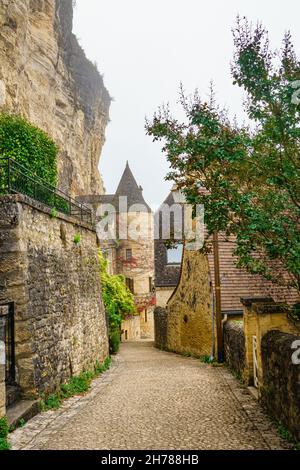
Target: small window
[[126, 335], [128, 254], [130, 284], [150, 284], [175, 255], [146, 316]]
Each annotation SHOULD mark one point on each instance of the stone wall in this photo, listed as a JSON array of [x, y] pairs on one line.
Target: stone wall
[[46, 77], [280, 392], [234, 346], [262, 315], [163, 294], [160, 327], [60, 325], [189, 310], [131, 329], [2, 374]]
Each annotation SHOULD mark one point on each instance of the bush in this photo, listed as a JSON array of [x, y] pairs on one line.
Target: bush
[[4, 430], [28, 146], [114, 341], [118, 301], [206, 359]]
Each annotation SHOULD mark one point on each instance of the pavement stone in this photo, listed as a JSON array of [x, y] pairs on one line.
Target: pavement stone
[[152, 399]]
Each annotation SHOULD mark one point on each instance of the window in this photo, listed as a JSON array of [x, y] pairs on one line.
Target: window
[[128, 254], [146, 316], [174, 255], [150, 284], [130, 284]]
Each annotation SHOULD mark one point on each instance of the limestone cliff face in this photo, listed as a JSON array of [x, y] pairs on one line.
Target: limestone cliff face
[[46, 77]]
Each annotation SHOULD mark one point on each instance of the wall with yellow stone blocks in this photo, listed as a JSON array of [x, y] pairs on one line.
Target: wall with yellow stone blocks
[[189, 311], [131, 329], [260, 317]]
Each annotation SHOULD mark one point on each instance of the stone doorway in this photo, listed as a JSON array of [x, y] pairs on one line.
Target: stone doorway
[[8, 363]]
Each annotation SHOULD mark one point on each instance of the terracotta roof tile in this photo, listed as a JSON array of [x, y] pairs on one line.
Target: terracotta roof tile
[[237, 283]]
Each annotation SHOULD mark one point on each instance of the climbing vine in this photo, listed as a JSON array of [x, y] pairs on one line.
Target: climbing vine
[[118, 301], [29, 146]]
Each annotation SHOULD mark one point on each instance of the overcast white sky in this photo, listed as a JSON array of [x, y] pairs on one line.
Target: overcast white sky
[[145, 48]]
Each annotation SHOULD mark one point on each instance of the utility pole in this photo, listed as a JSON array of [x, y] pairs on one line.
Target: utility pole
[[218, 297]]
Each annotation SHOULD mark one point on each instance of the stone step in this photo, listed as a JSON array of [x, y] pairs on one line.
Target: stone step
[[23, 410], [13, 395]]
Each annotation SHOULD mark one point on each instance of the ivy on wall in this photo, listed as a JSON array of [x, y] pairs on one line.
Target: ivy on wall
[[118, 301], [28, 146]]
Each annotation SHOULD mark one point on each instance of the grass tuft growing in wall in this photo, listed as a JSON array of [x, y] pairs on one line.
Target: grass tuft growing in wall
[[77, 385], [285, 434]]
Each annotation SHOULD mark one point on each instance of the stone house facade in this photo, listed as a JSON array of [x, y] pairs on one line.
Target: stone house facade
[[131, 251], [190, 310], [167, 261]]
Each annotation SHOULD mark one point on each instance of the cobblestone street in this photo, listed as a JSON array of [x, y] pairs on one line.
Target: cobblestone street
[[151, 399]]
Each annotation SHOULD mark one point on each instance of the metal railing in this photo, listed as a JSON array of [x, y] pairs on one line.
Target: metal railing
[[16, 179]]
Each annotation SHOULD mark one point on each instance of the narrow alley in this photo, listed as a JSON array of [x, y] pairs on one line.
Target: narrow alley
[[151, 399]]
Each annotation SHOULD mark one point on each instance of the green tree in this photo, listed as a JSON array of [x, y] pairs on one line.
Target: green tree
[[251, 175]]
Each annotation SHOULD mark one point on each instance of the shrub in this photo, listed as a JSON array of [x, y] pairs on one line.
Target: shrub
[[114, 341], [53, 214], [206, 359], [4, 430], [28, 146], [77, 385], [118, 301]]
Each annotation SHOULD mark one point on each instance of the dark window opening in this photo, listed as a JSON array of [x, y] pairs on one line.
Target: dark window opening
[[130, 284], [7, 335], [128, 254]]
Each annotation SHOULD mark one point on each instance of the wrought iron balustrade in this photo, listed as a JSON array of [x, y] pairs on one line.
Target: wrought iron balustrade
[[16, 179]]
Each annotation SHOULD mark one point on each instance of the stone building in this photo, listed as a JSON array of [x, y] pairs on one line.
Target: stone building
[[130, 249], [188, 322], [167, 260]]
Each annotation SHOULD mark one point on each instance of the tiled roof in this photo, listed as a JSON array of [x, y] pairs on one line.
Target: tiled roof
[[129, 187], [237, 283], [166, 275]]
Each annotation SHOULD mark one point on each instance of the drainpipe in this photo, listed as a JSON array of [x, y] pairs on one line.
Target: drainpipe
[[218, 297], [213, 323], [224, 320]]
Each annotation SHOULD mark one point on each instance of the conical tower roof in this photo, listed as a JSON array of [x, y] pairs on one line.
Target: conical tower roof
[[129, 187]]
